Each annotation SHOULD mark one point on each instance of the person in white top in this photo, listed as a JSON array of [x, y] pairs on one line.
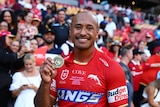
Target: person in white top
[[110, 27], [99, 16], [142, 48], [67, 47], [26, 83], [151, 95]]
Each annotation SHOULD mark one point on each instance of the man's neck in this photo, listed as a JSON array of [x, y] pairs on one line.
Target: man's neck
[[61, 22], [50, 46], [136, 60], [83, 56], [125, 61]]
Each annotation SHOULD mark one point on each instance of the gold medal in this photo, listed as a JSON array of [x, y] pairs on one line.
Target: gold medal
[[58, 61]]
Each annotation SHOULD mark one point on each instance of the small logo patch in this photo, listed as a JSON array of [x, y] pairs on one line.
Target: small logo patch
[[64, 74]]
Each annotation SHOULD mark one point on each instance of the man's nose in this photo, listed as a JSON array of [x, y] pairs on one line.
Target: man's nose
[[83, 31]]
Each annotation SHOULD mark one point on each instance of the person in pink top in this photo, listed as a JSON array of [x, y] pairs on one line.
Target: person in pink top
[[88, 77]]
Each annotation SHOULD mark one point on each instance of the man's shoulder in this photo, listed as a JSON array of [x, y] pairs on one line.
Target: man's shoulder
[[56, 24], [105, 59]]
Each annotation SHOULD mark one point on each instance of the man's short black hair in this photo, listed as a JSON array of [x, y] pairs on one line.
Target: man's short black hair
[[62, 9]]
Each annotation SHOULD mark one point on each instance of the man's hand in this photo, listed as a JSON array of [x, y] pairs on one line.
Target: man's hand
[[47, 71]]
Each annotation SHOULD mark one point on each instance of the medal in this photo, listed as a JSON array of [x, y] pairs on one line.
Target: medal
[[58, 61]]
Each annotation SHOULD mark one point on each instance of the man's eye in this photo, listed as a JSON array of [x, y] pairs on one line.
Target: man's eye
[[77, 26], [90, 28]]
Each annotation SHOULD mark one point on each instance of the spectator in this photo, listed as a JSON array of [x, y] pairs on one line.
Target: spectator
[[9, 16], [95, 79], [137, 71], [142, 48], [61, 28], [15, 46], [49, 17], [40, 40], [99, 16], [20, 17], [41, 5], [150, 75], [8, 64], [33, 44], [126, 56], [114, 50], [16, 7], [54, 8], [4, 26], [157, 32], [26, 30], [110, 27], [151, 94], [150, 41], [38, 24], [49, 41], [26, 83], [67, 47], [108, 44], [102, 35]]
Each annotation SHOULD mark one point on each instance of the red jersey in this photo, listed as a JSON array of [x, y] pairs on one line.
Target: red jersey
[[136, 70], [100, 83], [150, 74]]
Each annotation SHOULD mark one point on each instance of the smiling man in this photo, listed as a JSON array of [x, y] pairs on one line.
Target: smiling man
[[87, 78]]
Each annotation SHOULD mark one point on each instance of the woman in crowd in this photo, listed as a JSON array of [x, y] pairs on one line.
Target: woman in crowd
[[8, 64], [15, 46], [33, 44], [114, 50], [26, 30], [9, 16], [4, 26], [142, 48], [38, 23], [25, 84], [151, 95]]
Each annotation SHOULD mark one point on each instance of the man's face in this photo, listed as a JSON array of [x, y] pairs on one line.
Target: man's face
[[84, 30], [130, 54], [49, 38], [61, 16]]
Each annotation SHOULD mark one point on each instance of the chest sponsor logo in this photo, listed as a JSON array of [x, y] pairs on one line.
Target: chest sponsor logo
[[64, 74], [95, 78], [76, 80], [117, 94], [80, 72], [79, 96]]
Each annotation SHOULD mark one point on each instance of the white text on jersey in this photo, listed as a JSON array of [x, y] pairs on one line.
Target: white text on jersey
[[79, 96]]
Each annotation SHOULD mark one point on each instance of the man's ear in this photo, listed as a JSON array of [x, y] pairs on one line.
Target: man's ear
[[70, 35], [97, 36]]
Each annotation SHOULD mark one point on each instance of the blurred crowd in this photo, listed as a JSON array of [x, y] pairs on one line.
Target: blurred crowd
[[31, 29]]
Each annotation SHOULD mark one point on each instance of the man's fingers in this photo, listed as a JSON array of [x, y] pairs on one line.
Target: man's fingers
[[47, 68]]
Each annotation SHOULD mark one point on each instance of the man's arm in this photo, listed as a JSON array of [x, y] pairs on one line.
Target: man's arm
[[42, 98], [48, 72]]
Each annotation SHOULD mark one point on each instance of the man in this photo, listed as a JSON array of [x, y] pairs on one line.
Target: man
[[49, 41], [150, 74], [61, 28], [126, 56], [137, 70], [99, 16], [110, 27], [87, 77]]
